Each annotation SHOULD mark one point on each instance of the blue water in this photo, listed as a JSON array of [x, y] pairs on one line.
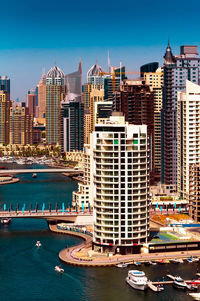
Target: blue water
[[27, 273]]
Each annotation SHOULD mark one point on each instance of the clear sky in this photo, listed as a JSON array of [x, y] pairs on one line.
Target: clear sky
[[36, 33]]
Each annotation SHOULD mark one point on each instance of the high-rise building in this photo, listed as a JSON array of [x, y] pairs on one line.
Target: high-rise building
[[5, 84], [5, 105], [84, 196], [120, 167], [73, 81], [109, 81], [101, 87], [91, 95], [176, 70], [55, 90], [21, 125], [188, 147], [72, 118], [155, 81], [103, 111], [148, 68], [136, 100], [31, 103], [42, 97], [194, 192]]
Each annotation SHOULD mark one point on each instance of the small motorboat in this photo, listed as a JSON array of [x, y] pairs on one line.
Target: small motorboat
[[59, 269], [153, 262], [34, 175], [6, 220], [189, 259], [166, 261], [162, 261], [147, 263], [195, 296], [195, 259], [174, 260], [137, 263], [179, 283], [122, 265], [38, 244], [192, 287], [160, 288]]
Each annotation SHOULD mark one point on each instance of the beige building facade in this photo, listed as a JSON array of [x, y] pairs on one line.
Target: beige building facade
[[91, 95], [5, 105], [155, 81], [21, 126], [188, 135]]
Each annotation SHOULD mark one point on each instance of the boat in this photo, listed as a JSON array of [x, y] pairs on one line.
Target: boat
[[153, 262], [195, 296], [192, 287], [137, 263], [175, 261], [6, 220], [166, 261], [189, 259], [137, 279], [59, 269], [160, 288], [38, 244], [162, 261], [147, 263], [179, 283], [34, 175], [195, 259], [122, 265]]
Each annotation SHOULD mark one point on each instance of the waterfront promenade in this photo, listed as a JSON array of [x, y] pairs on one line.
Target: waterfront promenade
[[78, 255]]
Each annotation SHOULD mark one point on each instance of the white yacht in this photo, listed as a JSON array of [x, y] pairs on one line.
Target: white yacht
[[195, 296], [137, 280], [38, 244], [122, 265], [59, 269], [180, 283]]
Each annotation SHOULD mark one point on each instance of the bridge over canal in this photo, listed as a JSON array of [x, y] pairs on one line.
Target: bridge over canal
[[40, 170]]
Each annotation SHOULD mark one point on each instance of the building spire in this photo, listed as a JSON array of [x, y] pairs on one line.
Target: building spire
[[168, 57], [80, 66]]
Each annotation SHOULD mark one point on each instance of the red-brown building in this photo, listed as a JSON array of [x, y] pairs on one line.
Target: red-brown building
[[136, 101], [31, 103]]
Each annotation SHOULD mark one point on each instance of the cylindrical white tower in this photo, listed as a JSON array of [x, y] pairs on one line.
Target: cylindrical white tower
[[121, 186]]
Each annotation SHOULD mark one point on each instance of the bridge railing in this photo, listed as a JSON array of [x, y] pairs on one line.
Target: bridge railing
[[42, 209]]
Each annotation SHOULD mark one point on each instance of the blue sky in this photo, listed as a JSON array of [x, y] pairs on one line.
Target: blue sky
[[35, 33]]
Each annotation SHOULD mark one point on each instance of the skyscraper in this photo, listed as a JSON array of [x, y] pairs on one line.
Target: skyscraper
[[5, 83], [55, 90], [155, 81], [91, 95], [120, 167], [136, 100], [148, 68], [21, 125], [42, 97], [176, 70], [73, 81], [31, 103], [5, 105], [188, 147], [72, 118]]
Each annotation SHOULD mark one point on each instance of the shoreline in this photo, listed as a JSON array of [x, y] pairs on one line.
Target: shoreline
[[68, 255]]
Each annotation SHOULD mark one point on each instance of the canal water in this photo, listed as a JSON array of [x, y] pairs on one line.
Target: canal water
[[27, 273]]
